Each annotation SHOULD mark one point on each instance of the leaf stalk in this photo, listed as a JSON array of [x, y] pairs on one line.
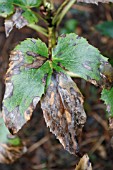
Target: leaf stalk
[[38, 29], [61, 12]]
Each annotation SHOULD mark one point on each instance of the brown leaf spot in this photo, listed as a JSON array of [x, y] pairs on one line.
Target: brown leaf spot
[[36, 64], [16, 61], [28, 113], [13, 120]]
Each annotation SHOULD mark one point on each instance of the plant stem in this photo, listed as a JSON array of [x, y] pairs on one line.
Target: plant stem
[[59, 11], [38, 29], [49, 8], [44, 2], [62, 11], [40, 17], [51, 40]]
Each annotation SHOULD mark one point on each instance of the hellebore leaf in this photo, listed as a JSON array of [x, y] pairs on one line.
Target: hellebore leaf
[[25, 82], [79, 59], [63, 110]]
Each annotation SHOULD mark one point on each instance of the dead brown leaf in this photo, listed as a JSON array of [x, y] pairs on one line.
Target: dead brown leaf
[[63, 111]]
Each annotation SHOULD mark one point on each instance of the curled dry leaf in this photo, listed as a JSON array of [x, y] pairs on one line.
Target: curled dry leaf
[[15, 20], [95, 1], [11, 147], [84, 163], [24, 82], [63, 111]]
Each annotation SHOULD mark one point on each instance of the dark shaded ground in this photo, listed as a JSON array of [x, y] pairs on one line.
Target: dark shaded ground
[[95, 139]]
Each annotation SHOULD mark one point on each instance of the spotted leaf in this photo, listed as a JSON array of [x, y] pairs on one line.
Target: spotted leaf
[[11, 147], [63, 111], [25, 82], [79, 59]]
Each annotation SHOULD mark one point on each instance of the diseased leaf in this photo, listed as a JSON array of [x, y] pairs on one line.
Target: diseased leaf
[[20, 19], [16, 20], [107, 97], [25, 82], [84, 163], [78, 57], [95, 1], [11, 147], [63, 111], [6, 7]]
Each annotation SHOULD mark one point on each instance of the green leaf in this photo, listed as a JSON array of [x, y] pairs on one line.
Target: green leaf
[[6, 7], [28, 3], [107, 97], [29, 16], [25, 82], [11, 146], [106, 28], [78, 57]]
